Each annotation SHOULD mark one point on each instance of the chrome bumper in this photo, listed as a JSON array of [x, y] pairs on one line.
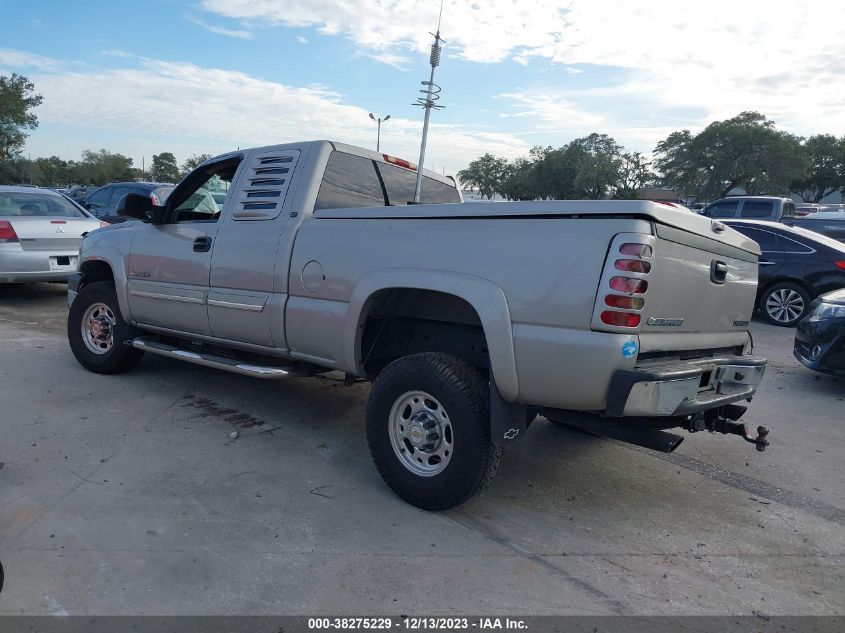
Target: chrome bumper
[[684, 387]]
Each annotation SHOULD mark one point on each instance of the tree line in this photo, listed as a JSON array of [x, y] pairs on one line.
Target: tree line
[[746, 151], [94, 168]]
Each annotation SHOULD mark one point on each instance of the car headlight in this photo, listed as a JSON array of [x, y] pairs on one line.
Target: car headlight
[[824, 311]]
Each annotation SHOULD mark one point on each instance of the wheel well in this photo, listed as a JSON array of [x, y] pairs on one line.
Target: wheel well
[[398, 322], [97, 271]]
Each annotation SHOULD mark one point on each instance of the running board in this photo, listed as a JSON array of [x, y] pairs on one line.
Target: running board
[[221, 362]]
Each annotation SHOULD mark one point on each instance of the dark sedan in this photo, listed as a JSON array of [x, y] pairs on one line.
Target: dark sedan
[[820, 337], [796, 266]]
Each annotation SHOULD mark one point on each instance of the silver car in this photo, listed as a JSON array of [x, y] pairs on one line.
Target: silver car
[[40, 234]]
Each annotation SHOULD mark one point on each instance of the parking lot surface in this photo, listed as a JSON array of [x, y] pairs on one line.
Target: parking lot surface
[[129, 495]]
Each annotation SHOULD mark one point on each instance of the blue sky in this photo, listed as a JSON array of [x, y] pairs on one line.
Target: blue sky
[[211, 75]]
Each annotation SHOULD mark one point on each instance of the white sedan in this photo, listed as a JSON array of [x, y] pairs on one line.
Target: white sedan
[[40, 234]]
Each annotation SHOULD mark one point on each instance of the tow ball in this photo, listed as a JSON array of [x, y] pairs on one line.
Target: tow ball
[[723, 420]]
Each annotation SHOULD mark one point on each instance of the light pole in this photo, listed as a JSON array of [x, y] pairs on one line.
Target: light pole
[[378, 134]]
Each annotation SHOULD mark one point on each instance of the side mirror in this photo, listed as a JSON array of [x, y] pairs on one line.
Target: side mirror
[[134, 205]]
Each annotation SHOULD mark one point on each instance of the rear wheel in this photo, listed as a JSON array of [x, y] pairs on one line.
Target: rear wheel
[[784, 304], [428, 428], [98, 334]]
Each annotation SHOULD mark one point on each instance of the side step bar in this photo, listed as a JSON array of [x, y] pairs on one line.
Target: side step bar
[[221, 362]]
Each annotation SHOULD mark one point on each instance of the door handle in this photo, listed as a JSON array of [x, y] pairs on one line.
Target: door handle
[[202, 244], [718, 272]]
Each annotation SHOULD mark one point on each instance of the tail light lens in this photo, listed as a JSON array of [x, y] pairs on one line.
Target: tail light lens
[[154, 198], [626, 303], [7, 232], [632, 265], [629, 285], [104, 224], [620, 319], [840, 264], [636, 250]]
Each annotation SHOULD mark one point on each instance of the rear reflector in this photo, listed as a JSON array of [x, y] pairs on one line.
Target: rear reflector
[[840, 264], [58, 221], [620, 319], [7, 232], [626, 303], [637, 250], [632, 265], [629, 285]]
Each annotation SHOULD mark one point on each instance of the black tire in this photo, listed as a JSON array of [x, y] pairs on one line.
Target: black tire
[[464, 394], [120, 357], [796, 297]]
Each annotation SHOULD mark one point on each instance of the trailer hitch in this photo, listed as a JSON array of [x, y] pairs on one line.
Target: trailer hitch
[[723, 420]]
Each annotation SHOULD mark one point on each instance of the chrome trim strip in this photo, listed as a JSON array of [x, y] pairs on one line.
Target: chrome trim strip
[[166, 297], [249, 307]]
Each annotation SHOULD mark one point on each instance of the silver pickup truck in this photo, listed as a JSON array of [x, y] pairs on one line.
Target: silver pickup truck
[[625, 318]]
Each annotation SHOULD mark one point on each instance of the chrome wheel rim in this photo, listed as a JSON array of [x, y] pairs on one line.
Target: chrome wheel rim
[[421, 433], [98, 328], [785, 305]]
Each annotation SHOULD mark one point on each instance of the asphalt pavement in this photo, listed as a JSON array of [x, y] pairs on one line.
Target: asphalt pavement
[[129, 495]]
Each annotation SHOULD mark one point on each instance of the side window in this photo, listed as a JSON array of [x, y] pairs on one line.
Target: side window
[[100, 198], [350, 181], [769, 242], [192, 200], [757, 209], [117, 194], [436, 192], [789, 209], [795, 247], [726, 209]]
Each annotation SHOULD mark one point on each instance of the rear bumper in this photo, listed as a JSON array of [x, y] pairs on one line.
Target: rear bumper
[[684, 387], [27, 266]]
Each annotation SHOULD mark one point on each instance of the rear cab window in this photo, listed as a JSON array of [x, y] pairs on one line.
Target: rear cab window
[[725, 209], [354, 181], [757, 209]]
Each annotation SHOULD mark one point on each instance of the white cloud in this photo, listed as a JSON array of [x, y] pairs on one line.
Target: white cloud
[[719, 56], [115, 52], [15, 59], [302, 40], [186, 108], [221, 30], [573, 71], [399, 62]]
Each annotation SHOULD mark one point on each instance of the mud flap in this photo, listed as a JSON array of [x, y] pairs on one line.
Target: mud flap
[[508, 420]]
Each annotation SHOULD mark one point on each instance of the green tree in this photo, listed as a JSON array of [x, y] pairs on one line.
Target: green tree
[[192, 162], [164, 168], [55, 172], [745, 151], [485, 173], [826, 174], [634, 174], [597, 160], [518, 180], [17, 100], [101, 167]]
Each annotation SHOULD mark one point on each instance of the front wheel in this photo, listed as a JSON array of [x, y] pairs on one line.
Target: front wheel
[[97, 333], [784, 304], [428, 428]]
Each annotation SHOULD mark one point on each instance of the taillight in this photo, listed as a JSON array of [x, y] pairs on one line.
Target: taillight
[[625, 299], [104, 224], [154, 198], [7, 232], [620, 319], [840, 264], [629, 285]]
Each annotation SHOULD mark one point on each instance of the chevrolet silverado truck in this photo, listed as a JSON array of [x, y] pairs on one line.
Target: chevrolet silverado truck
[[624, 318]]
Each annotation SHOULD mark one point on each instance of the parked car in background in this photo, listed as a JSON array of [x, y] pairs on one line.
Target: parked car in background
[[102, 202], [78, 192], [796, 265], [820, 337], [775, 209], [40, 234], [802, 209]]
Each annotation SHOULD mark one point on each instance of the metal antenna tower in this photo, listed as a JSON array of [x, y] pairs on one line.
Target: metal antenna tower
[[432, 95]]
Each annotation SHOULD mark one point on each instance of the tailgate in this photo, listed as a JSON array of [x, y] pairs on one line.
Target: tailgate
[[699, 285]]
